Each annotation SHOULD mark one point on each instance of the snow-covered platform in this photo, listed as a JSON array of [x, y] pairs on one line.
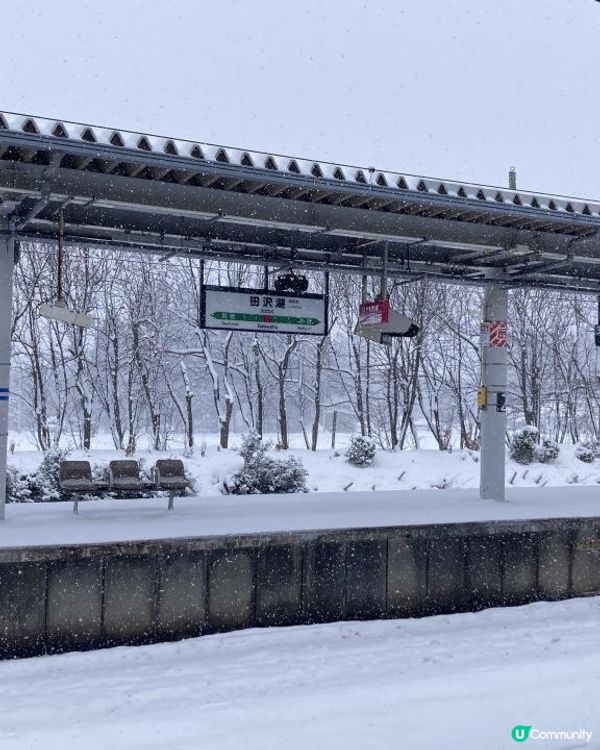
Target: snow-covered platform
[[125, 572], [111, 520]]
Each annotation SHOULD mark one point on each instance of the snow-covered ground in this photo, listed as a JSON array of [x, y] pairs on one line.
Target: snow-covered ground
[[110, 519], [457, 681], [329, 471], [442, 488]]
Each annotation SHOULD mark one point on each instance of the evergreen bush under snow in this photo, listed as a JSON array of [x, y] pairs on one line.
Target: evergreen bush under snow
[[48, 473], [547, 451], [18, 487], [584, 453], [39, 487], [361, 451], [526, 447], [261, 474], [587, 449], [523, 445]]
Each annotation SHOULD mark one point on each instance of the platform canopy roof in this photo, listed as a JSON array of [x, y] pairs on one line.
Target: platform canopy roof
[[172, 197]]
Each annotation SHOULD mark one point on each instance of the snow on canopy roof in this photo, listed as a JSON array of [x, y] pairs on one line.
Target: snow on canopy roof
[[257, 160]]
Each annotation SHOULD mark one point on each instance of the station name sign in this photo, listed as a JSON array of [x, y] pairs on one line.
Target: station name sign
[[263, 311]]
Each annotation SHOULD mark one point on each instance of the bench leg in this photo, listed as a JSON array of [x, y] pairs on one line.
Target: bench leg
[[171, 499], [76, 505]]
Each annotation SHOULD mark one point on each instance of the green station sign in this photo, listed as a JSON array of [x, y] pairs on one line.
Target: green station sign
[[263, 311]]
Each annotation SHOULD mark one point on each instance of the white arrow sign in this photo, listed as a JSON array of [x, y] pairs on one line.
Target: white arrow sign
[[61, 313], [397, 325]]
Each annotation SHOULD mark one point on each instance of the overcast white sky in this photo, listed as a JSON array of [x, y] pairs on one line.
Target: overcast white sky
[[458, 89]]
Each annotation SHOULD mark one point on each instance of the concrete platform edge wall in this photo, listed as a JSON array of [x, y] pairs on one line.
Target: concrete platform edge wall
[[56, 599]]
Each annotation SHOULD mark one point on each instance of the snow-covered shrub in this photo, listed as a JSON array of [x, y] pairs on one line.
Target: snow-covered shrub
[[593, 446], [40, 486], [546, 452], [361, 451], [523, 445], [261, 474], [584, 453], [45, 480], [18, 487], [252, 447]]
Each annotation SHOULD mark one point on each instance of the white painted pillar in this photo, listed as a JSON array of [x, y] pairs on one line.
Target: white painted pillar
[[493, 382], [7, 255]]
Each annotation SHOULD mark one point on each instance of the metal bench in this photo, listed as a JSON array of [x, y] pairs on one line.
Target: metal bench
[[169, 475], [75, 478], [124, 476]]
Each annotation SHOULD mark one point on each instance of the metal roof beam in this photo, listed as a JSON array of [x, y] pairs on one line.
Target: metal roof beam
[[267, 255], [47, 178], [541, 268], [123, 192]]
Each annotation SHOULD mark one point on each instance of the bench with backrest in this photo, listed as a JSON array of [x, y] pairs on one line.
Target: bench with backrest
[[169, 475], [124, 476], [75, 478]]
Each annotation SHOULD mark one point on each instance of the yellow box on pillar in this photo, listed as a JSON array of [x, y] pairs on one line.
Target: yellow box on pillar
[[482, 397]]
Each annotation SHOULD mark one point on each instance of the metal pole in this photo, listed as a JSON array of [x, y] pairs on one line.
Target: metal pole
[[7, 260], [383, 295], [493, 382], [61, 254]]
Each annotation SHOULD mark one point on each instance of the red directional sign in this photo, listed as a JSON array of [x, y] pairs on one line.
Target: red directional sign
[[374, 313]]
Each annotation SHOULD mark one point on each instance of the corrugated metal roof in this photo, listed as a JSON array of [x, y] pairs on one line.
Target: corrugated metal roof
[[478, 195], [153, 194]]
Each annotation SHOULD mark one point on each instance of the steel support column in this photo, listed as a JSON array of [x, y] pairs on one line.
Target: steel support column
[[493, 415], [7, 257]]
